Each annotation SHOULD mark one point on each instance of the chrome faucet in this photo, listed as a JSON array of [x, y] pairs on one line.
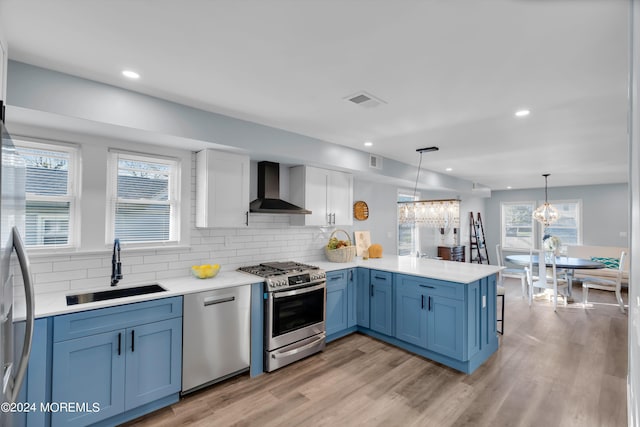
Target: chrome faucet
[[116, 265]]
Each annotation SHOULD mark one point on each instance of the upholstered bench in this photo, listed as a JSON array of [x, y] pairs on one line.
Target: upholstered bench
[[604, 252]]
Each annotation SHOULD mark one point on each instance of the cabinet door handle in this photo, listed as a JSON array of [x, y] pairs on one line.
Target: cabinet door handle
[[422, 302], [334, 219], [427, 286], [246, 221], [429, 303], [119, 343], [350, 275], [371, 286], [133, 340]]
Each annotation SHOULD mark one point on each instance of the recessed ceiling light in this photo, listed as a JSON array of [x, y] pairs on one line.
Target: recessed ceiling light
[[368, 144], [130, 74], [509, 187], [522, 113], [448, 169]]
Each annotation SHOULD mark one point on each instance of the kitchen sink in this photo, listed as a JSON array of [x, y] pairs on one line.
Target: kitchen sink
[[113, 294]]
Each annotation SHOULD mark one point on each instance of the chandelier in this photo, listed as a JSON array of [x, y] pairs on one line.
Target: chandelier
[[546, 214], [431, 213]]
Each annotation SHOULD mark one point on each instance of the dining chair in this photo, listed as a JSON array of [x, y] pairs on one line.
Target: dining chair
[[612, 285], [547, 277], [514, 273]]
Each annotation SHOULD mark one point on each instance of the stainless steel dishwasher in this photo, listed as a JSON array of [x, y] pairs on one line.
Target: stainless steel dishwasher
[[216, 336]]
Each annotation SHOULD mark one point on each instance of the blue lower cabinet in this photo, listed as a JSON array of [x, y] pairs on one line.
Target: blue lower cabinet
[[36, 388], [352, 318], [89, 370], [430, 314], [154, 362], [131, 367], [337, 301], [362, 286], [381, 304], [411, 315], [445, 326]]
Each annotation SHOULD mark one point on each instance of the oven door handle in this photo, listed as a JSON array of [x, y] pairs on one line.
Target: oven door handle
[[299, 291], [299, 349]]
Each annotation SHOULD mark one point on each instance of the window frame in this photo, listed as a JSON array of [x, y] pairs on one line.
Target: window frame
[[173, 196], [415, 233], [72, 195], [503, 225], [578, 203]]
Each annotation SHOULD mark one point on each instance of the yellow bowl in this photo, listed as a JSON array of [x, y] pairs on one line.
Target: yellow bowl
[[205, 271]]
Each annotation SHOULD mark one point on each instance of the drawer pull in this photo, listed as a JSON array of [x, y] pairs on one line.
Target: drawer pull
[[427, 286], [380, 277]]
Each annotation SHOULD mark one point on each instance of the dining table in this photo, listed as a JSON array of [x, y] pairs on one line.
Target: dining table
[[569, 264]]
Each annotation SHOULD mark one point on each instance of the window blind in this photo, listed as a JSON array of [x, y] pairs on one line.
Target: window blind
[[48, 199], [144, 208]]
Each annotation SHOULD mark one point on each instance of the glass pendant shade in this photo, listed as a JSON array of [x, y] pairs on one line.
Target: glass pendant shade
[[430, 213], [546, 214]]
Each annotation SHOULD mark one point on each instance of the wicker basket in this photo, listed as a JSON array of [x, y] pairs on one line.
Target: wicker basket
[[343, 254]]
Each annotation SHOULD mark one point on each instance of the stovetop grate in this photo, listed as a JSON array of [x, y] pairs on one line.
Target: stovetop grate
[[269, 269]]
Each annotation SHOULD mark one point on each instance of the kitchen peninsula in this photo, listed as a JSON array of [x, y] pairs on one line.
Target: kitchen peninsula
[[442, 310]]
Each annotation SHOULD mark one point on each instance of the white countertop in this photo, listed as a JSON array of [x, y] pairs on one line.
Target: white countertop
[[432, 268], [52, 304]]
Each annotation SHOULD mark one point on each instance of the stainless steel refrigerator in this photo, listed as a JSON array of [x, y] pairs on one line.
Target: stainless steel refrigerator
[[13, 261]]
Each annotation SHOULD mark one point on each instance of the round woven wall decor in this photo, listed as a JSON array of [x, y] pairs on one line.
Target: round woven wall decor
[[360, 210]]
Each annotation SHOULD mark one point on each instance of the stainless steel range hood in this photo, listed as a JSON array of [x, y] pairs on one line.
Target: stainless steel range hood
[[268, 200]]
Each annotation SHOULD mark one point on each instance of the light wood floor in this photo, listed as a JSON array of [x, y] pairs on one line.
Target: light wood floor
[[552, 369]]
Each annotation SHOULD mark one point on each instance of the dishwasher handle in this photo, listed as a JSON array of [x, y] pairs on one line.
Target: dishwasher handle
[[215, 300]]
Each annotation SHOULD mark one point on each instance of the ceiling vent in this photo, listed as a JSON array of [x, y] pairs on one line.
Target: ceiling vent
[[375, 162], [365, 99]]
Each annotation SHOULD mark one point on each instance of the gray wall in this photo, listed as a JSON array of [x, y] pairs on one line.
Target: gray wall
[[605, 211], [383, 219]]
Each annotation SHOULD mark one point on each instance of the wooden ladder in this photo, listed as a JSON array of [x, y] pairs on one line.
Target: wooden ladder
[[477, 246]]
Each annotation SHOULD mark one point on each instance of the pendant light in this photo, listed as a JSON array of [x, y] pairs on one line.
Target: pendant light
[[430, 213], [546, 214]]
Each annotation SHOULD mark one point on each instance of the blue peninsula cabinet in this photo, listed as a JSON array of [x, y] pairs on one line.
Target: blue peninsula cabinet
[[125, 359], [449, 322], [429, 314]]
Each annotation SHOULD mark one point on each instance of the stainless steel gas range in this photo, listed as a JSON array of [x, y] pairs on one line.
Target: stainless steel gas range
[[294, 311]]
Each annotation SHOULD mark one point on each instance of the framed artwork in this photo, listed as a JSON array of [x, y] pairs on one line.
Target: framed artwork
[[363, 241]]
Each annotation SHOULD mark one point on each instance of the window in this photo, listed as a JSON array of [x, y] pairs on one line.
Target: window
[[51, 193], [568, 227], [517, 225], [408, 237], [144, 193]]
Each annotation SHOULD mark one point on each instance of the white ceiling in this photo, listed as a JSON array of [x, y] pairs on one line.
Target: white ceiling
[[452, 73]]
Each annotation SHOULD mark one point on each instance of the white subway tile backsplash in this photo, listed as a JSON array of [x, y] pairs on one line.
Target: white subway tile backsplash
[[77, 264]]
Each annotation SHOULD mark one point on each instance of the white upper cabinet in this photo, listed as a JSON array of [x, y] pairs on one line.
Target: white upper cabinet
[[222, 189], [326, 193]]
